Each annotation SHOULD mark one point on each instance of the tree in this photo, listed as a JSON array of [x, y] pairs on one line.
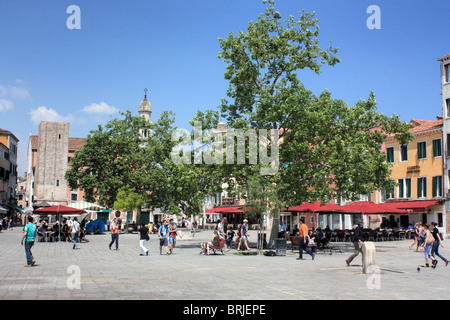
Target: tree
[[117, 158], [127, 199], [326, 148]]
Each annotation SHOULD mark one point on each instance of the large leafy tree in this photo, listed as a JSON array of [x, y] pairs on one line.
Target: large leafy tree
[[116, 158], [326, 148]]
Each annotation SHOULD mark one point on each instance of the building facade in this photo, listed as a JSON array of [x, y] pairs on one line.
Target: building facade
[[445, 92], [9, 140], [4, 173], [417, 168], [49, 155]]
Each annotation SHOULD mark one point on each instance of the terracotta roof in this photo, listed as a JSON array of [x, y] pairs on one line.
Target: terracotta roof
[[420, 126], [3, 131], [446, 57], [74, 143], [34, 142]]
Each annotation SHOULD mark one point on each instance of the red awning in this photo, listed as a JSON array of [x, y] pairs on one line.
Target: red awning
[[235, 209], [413, 206], [59, 210], [306, 207], [369, 207]]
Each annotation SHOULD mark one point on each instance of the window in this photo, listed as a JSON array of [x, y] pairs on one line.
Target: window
[[437, 186], [447, 72], [6, 155], [437, 148], [447, 102], [404, 153], [422, 150], [73, 197], [389, 193], [401, 188], [390, 154], [422, 187], [404, 188], [57, 183]]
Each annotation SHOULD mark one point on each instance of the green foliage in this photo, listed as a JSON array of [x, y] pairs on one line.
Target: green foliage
[[333, 149], [116, 159], [127, 199]]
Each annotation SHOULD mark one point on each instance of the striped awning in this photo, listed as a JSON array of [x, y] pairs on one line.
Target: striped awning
[[84, 205]]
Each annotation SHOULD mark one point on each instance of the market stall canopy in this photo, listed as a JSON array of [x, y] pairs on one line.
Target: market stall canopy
[[84, 205], [60, 210]]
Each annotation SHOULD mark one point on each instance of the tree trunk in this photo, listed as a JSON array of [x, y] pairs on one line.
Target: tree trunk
[[274, 232], [138, 215]]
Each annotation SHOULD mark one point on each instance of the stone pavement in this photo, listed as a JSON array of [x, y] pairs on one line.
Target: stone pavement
[[185, 275]]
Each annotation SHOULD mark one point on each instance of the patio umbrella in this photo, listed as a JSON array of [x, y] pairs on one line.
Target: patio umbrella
[[306, 207], [369, 207], [59, 210]]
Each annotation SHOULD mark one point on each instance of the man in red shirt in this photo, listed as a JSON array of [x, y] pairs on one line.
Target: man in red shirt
[[303, 240]]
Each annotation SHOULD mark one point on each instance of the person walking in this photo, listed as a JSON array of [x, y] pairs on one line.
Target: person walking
[[28, 238], [75, 232], [243, 236], [357, 242], [416, 236], [427, 245], [114, 234], [282, 230], [143, 238], [437, 242], [162, 233], [172, 228], [303, 232]]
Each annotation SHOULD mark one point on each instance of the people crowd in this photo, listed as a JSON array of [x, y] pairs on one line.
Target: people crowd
[[426, 237]]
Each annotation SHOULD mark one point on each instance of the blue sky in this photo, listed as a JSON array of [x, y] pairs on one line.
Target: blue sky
[[48, 72]]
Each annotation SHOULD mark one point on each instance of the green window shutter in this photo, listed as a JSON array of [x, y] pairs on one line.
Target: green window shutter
[[437, 148], [421, 150], [419, 187], [434, 187], [400, 188], [424, 187], [390, 155], [408, 188]]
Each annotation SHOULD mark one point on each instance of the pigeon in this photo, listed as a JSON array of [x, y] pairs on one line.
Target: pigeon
[[418, 269]]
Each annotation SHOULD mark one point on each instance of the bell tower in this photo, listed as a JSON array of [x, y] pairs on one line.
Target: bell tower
[[145, 110]]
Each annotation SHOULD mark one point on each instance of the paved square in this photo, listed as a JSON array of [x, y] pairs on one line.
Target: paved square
[[186, 275]]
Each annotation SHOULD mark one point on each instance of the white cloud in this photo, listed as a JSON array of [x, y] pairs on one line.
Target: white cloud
[[5, 105], [101, 108], [13, 92], [18, 92], [42, 113]]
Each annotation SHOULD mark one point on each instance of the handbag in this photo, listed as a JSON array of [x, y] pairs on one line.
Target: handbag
[[430, 238]]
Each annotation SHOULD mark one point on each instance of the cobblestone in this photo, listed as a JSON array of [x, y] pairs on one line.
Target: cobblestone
[[186, 275]]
